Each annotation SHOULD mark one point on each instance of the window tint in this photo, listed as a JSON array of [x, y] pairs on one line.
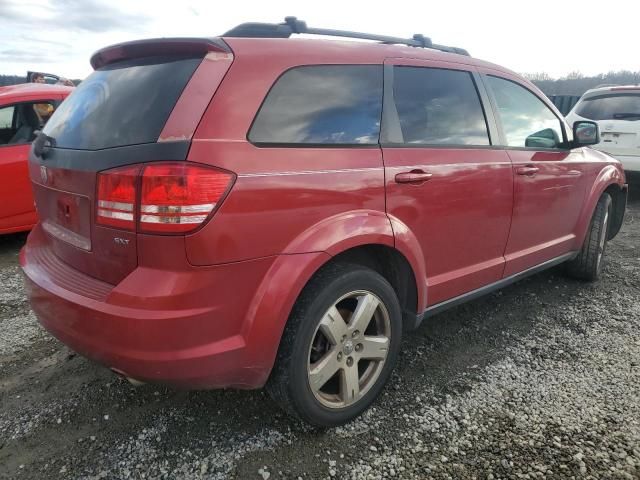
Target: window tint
[[526, 120], [125, 103], [610, 107], [6, 117], [329, 104], [438, 107]]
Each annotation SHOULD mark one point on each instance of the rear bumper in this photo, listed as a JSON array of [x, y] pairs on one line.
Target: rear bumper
[[182, 328]]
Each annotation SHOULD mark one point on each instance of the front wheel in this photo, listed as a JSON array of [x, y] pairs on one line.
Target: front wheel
[[589, 263], [339, 347]]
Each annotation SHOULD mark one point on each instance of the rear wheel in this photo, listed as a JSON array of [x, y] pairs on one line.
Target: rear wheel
[[589, 263], [339, 347]]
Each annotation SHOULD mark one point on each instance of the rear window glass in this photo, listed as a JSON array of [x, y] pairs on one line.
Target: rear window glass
[[126, 103], [610, 107], [328, 104]]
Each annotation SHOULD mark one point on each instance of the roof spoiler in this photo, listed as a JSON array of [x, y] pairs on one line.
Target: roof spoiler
[[157, 46]]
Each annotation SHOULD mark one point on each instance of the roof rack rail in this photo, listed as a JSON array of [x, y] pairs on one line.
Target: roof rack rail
[[292, 25]]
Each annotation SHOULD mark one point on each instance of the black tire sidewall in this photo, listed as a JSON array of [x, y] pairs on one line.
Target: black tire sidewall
[[605, 203], [585, 265], [356, 278]]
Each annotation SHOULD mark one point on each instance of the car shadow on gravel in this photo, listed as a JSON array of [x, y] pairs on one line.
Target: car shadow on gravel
[[10, 246]]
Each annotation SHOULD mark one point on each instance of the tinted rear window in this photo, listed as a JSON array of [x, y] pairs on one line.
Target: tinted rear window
[[438, 107], [328, 104], [610, 107], [126, 103]]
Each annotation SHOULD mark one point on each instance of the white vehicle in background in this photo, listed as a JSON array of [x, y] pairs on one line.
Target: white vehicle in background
[[617, 112]]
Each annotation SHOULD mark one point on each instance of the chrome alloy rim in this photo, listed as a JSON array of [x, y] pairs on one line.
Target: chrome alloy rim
[[348, 349], [603, 237]]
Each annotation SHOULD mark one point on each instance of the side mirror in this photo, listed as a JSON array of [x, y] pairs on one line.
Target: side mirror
[[585, 133], [547, 138]]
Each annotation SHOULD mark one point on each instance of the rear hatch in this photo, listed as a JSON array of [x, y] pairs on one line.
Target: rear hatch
[[618, 114], [141, 104]]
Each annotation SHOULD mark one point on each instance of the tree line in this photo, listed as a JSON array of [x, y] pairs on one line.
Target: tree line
[[11, 80], [15, 79], [576, 83]]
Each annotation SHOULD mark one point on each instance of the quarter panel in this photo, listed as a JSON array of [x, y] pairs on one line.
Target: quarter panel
[[288, 200]]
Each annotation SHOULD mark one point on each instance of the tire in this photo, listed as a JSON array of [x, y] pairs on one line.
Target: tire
[[323, 334], [589, 263]]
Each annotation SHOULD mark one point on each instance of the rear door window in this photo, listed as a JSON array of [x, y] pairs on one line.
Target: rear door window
[[610, 107], [322, 105], [126, 103], [438, 107], [526, 120]]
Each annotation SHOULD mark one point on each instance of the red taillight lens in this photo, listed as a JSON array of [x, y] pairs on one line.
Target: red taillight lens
[[179, 197], [117, 197], [174, 197]]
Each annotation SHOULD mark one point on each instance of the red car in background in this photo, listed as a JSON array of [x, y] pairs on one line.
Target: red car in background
[[24, 109]]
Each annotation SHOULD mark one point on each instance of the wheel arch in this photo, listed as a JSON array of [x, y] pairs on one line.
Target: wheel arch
[[619, 197], [395, 268], [359, 233], [289, 275], [609, 180]]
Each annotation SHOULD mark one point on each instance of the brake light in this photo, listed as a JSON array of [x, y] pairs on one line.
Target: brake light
[[117, 197], [178, 198], [173, 197]]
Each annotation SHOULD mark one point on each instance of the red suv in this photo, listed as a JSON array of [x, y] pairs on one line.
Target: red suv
[[259, 210]]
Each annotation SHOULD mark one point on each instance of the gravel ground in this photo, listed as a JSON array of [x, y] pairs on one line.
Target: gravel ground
[[540, 380]]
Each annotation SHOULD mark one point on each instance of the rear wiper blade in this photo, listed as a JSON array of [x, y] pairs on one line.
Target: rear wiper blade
[[626, 115], [42, 144]]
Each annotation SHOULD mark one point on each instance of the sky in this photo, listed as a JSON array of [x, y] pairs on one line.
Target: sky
[[556, 37]]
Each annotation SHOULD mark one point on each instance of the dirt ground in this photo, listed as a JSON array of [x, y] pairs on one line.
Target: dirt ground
[[540, 380]]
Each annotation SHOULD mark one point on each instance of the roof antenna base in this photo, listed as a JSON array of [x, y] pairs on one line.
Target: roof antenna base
[[425, 42], [296, 26]]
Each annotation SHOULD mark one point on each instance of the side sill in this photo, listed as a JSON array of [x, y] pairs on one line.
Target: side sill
[[480, 292]]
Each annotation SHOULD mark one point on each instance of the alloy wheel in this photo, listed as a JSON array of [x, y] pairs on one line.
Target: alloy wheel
[[603, 239], [348, 349]]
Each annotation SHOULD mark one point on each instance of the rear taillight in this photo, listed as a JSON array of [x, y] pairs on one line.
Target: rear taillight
[[173, 198], [177, 198], [117, 197]]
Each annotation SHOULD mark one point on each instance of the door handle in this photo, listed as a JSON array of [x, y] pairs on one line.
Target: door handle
[[529, 170], [414, 176]]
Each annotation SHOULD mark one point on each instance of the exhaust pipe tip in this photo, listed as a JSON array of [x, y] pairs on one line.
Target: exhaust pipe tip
[[131, 380], [134, 382]]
